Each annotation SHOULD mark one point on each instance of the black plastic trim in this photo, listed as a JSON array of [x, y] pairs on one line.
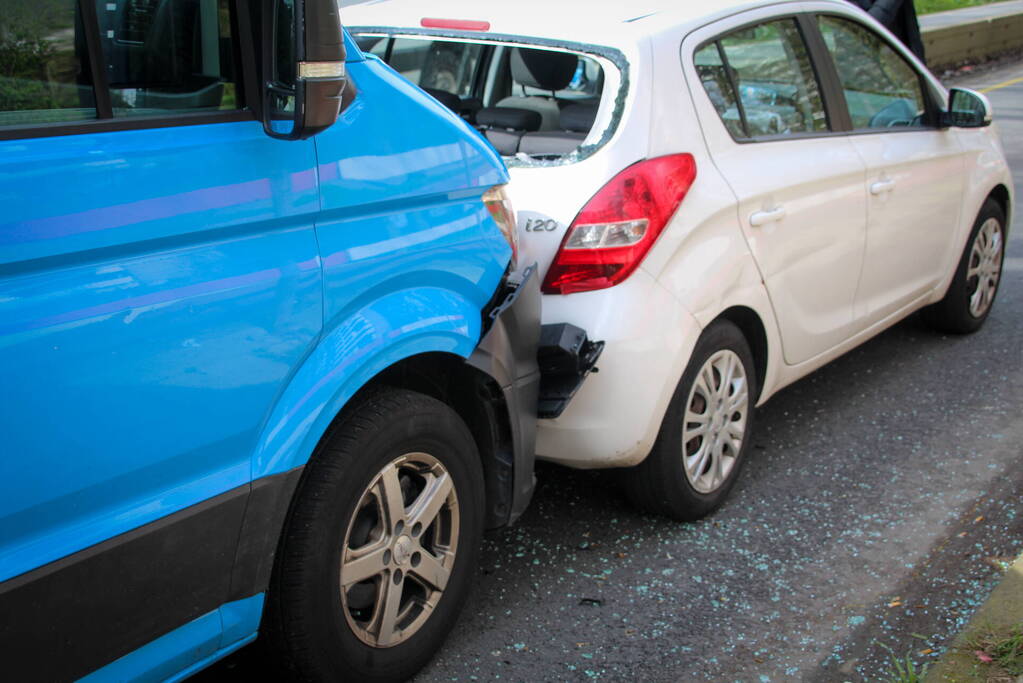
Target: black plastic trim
[[127, 123], [245, 92], [507, 353], [100, 87], [739, 105], [260, 535], [323, 41], [835, 106], [81, 612], [566, 356]]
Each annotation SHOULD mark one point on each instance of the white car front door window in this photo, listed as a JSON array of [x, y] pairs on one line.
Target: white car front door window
[[914, 176]]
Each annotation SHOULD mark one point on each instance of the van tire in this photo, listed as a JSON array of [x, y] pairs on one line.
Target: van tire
[[665, 483], [394, 436]]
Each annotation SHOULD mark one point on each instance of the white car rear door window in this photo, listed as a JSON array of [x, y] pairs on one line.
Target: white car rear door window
[[778, 93]]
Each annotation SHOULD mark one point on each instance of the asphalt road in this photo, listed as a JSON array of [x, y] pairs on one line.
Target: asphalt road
[[882, 493]]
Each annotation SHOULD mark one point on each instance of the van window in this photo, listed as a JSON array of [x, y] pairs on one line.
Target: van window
[[166, 56], [769, 67], [159, 58], [44, 66]]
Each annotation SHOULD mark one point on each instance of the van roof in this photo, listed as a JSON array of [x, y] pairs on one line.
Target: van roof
[[603, 22]]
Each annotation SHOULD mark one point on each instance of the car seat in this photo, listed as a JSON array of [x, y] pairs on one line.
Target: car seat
[[505, 126], [576, 122], [545, 70]]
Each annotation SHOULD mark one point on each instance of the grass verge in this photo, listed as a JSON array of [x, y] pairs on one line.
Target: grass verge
[[991, 647], [929, 6], [1002, 648]]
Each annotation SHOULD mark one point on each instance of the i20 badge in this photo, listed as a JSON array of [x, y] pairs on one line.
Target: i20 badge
[[541, 225]]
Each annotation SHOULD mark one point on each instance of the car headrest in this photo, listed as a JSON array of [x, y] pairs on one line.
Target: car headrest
[[578, 117], [449, 100], [509, 118], [543, 69]]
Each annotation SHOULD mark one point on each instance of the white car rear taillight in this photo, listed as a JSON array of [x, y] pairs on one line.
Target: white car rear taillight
[[613, 233]]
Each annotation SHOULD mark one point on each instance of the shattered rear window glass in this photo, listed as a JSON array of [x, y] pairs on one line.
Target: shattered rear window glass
[[535, 105]]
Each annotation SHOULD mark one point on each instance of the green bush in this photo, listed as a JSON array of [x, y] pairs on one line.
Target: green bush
[[38, 68]]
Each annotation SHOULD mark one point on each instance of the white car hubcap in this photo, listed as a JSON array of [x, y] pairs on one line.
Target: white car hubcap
[[985, 267], [715, 421]]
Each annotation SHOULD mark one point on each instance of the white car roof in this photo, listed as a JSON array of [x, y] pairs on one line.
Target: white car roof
[[600, 22]]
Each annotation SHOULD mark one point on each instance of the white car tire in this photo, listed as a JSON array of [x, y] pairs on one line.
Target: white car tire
[[972, 293], [706, 431]]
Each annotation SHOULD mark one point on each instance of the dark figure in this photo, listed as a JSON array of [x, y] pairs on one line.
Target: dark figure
[[899, 17]]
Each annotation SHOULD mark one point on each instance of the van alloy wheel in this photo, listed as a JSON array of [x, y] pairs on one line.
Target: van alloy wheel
[[378, 553], [399, 550], [985, 266], [715, 421]]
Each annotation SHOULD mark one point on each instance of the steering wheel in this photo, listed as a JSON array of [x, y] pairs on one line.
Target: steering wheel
[[900, 112]]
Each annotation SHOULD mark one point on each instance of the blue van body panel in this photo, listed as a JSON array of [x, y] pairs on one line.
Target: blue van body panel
[[202, 664], [410, 255], [352, 51], [164, 657], [152, 308], [392, 328], [187, 649], [120, 190], [183, 312], [240, 619], [396, 141]]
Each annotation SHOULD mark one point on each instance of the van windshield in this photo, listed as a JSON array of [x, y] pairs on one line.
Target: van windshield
[[534, 104]]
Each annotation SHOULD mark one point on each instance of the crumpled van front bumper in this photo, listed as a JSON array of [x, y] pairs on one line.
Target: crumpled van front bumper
[[508, 353]]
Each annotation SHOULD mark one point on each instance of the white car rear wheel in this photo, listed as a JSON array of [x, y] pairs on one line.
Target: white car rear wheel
[[705, 433]]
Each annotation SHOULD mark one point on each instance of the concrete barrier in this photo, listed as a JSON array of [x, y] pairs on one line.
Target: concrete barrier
[[974, 41]]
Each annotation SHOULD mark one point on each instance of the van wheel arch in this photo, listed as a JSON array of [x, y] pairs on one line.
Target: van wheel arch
[[475, 397]]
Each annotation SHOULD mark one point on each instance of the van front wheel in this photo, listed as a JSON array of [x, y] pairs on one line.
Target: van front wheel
[[381, 543]]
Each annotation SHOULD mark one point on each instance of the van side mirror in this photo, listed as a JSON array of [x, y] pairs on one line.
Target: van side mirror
[[966, 109], [303, 67]]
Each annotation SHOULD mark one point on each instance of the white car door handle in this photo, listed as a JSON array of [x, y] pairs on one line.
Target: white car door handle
[[764, 217], [882, 186]]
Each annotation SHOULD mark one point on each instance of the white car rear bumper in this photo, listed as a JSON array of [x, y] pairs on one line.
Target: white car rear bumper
[[614, 418]]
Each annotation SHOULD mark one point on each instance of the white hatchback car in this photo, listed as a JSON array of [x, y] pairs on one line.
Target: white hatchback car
[[729, 193]]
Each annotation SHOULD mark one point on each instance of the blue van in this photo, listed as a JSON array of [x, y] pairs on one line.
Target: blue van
[[268, 364]]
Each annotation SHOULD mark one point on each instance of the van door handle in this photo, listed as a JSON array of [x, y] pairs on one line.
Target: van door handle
[[764, 217], [882, 186]]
